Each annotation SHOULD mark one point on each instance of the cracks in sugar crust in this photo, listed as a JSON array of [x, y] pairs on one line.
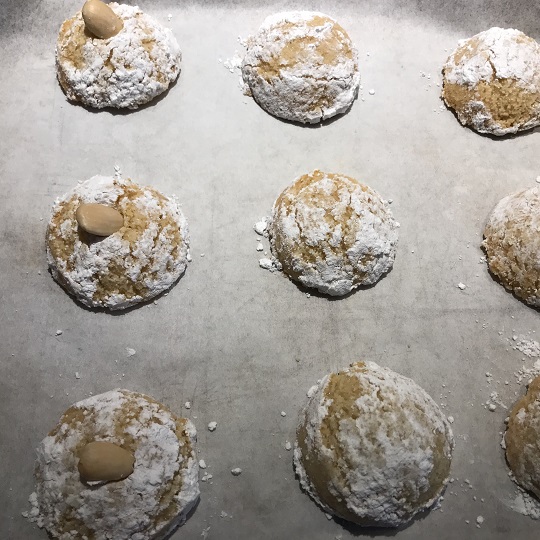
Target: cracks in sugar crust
[[316, 243]]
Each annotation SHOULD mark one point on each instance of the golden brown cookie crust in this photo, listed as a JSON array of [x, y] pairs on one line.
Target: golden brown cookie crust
[[124, 71], [160, 491], [301, 66], [362, 425], [522, 439], [492, 81], [332, 233], [146, 256], [512, 244]]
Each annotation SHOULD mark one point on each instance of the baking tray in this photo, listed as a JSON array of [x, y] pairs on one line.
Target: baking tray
[[243, 344]]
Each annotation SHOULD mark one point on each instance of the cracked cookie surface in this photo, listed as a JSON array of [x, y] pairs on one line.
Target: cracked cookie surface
[[301, 66], [512, 243], [332, 233], [149, 503], [145, 257], [372, 446], [492, 81], [124, 71]]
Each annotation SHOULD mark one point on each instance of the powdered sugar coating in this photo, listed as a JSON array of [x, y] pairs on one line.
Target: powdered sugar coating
[[301, 66], [372, 446], [124, 71], [492, 81], [138, 262], [149, 503], [331, 233], [512, 243]]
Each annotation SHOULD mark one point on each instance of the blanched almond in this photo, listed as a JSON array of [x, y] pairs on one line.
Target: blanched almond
[[101, 461], [100, 19], [99, 219]]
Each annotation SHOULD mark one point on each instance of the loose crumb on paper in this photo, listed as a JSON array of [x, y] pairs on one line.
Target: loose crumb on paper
[[261, 226]]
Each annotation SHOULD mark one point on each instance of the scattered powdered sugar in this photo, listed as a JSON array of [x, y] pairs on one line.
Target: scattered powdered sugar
[[261, 227], [125, 70], [527, 373], [529, 347], [270, 264], [234, 65], [525, 504], [493, 401], [374, 489], [301, 66], [154, 499]]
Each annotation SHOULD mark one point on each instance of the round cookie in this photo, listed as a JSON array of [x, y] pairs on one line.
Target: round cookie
[[124, 71], [301, 66], [492, 81], [145, 257], [372, 447], [331, 233], [512, 244], [149, 503], [522, 439]]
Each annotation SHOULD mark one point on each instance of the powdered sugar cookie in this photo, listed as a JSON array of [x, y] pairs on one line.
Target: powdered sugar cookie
[[301, 66], [143, 258], [75, 497], [512, 244], [124, 71], [332, 233], [372, 447], [522, 439], [492, 81]]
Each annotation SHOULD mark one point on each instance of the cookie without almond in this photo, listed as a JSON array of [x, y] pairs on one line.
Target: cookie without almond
[[301, 66], [372, 446], [492, 82]]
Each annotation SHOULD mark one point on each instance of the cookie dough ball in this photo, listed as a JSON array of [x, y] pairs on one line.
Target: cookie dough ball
[[522, 439], [512, 244], [301, 66], [145, 257], [332, 233], [124, 71], [492, 81], [149, 503], [372, 447]]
